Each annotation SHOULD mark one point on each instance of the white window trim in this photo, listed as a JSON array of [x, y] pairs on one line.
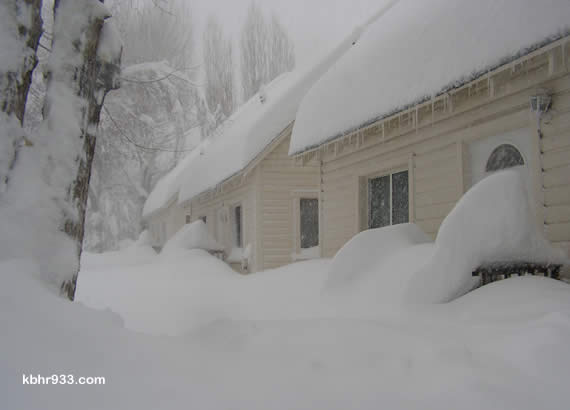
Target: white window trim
[[297, 195], [364, 220], [231, 220]]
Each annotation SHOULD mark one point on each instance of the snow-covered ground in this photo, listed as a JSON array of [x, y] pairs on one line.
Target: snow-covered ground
[[502, 346], [182, 330]]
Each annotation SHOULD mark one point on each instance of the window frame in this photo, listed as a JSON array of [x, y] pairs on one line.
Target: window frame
[[299, 221], [364, 195], [495, 150], [296, 196], [236, 242]]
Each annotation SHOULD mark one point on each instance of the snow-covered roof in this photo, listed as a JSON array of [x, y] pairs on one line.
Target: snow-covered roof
[[165, 191], [419, 49], [244, 135]]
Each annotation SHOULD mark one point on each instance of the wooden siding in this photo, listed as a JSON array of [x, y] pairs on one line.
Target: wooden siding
[[282, 182], [165, 223], [431, 142], [241, 191]]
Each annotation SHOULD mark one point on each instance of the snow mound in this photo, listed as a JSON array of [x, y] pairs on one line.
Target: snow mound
[[439, 44], [515, 298], [145, 239], [396, 265], [375, 269], [492, 222], [192, 236], [362, 254]]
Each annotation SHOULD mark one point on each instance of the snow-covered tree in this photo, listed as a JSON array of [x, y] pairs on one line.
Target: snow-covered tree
[[20, 30], [43, 206], [83, 66], [254, 55], [266, 51], [218, 68], [281, 49], [146, 127], [156, 31]]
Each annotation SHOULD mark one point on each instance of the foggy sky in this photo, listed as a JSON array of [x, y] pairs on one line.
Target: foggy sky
[[314, 25]]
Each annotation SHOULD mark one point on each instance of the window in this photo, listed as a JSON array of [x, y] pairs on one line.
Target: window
[[188, 219], [309, 220], [237, 226], [204, 218], [503, 157], [388, 200]]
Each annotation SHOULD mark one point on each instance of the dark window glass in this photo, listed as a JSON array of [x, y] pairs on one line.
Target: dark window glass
[[379, 202], [237, 226], [504, 156], [400, 198], [188, 219], [309, 222]]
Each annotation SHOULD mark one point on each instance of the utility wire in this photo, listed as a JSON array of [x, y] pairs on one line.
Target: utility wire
[[139, 145]]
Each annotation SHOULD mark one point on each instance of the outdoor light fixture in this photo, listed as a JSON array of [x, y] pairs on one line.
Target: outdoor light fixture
[[540, 103]]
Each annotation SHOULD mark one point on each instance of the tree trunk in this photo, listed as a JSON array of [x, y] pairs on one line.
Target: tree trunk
[[15, 79], [14, 85], [89, 78]]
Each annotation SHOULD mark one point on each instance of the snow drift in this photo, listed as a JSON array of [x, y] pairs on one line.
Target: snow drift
[[493, 222], [375, 268]]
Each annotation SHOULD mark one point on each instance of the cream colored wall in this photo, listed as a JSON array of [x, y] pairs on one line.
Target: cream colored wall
[[282, 183], [235, 191], [165, 223], [432, 143]]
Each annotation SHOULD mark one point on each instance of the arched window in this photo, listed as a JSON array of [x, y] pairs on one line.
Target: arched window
[[504, 156]]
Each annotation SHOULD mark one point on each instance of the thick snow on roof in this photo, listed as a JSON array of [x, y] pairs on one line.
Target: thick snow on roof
[[248, 131], [417, 50], [253, 127], [166, 189]]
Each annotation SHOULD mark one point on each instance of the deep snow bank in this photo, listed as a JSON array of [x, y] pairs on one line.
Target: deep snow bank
[[398, 264], [363, 252], [445, 356], [375, 268], [492, 222], [179, 292]]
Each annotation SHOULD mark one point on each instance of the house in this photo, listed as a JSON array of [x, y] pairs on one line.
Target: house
[[432, 98], [254, 198]]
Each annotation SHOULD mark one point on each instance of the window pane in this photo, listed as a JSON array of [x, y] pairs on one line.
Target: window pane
[[309, 222], [237, 226], [504, 156], [400, 198], [379, 202]]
